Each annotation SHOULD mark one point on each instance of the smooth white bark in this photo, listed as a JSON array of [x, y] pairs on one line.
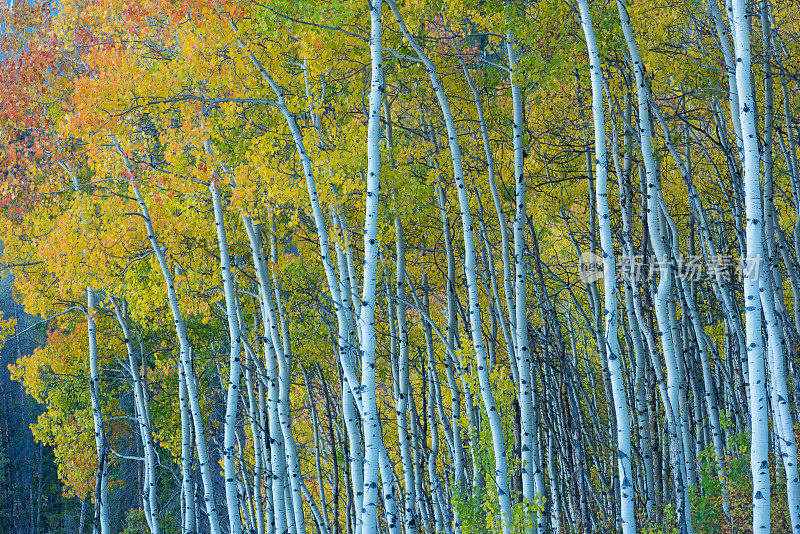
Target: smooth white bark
[[655, 225], [234, 369], [97, 416], [470, 260], [528, 423], [754, 232], [142, 405], [185, 357], [610, 313], [282, 508]]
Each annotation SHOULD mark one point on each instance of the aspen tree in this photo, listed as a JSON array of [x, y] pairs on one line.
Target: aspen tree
[[501, 463], [664, 291], [186, 352], [145, 424], [102, 519], [754, 271], [610, 313]]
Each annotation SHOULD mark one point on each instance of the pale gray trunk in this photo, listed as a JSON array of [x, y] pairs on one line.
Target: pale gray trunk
[[102, 519]]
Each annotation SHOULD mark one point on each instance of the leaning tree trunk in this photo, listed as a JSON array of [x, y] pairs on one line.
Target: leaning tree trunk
[[150, 486], [664, 290], [470, 267], [610, 312], [186, 368]]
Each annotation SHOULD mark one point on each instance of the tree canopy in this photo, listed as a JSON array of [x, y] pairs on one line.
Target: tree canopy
[[409, 266]]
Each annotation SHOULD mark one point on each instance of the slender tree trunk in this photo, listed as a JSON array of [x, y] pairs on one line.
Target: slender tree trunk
[[664, 291], [750, 157], [470, 259], [185, 357], [102, 519], [234, 370], [610, 312], [150, 487]]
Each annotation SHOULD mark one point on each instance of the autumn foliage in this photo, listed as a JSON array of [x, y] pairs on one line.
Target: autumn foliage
[[119, 119]]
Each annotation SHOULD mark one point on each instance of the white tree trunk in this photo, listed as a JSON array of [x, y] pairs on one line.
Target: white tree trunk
[[255, 431], [234, 371], [655, 223], [280, 337], [189, 525], [97, 415], [374, 465], [771, 284], [470, 260], [271, 337], [754, 232], [342, 312], [403, 387], [528, 422], [150, 489], [185, 357], [610, 313], [730, 69]]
